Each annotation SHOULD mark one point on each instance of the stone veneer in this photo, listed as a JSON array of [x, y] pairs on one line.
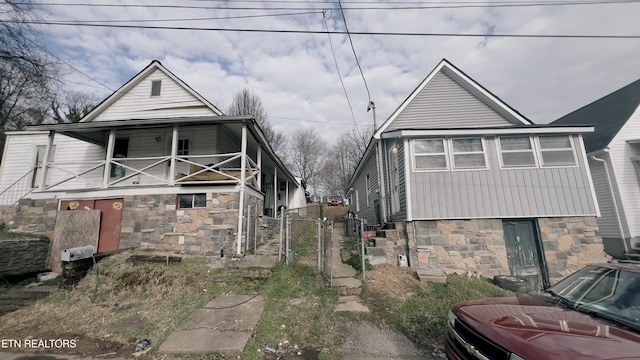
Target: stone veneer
[[458, 246], [152, 221]]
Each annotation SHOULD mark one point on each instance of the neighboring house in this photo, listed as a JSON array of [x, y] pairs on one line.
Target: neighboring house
[[164, 167], [613, 151], [469, 184]]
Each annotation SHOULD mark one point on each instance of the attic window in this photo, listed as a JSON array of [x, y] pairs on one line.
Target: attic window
[[155, 87]]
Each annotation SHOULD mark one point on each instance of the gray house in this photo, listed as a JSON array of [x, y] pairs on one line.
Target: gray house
[[613, 152], [459, 181]]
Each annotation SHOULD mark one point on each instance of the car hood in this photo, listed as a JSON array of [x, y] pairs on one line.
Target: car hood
[[537, 329]]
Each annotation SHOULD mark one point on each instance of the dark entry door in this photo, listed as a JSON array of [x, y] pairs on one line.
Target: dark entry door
[[523, 251], [110, 219]]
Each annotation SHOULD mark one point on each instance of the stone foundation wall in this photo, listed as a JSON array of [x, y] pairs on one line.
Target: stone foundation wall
[[153, 221], [459, 246], [22, 254]]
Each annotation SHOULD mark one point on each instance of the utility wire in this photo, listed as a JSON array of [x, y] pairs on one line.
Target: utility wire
[[324, 20], [372, 33], [413, 7], [366, 86], [199, 19]]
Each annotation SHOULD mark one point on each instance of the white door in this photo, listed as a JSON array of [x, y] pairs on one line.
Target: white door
[[394, 179]]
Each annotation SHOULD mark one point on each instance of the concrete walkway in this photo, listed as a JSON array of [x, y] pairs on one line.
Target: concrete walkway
[[224, 325]]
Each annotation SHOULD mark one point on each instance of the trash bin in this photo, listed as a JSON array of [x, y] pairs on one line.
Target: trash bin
[[349, 225], [402, 260]]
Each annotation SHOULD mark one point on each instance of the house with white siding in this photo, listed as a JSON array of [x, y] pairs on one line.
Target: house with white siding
[[162, 166], [458, 181], [613, 152]]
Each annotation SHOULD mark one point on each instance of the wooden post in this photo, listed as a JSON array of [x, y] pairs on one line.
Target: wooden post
[[174, 152], [259, 162], [45, 161], [107, 159], [243, 167]]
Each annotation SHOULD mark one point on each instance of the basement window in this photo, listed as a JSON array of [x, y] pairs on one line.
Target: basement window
[[192, 201], [155, 87]]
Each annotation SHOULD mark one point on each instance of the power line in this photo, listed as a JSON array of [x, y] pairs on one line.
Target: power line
[[366, 86], [200, 19], [324, 20], [455, 5], [370, 33]]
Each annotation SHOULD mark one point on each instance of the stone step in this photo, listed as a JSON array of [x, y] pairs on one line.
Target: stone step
[[250, 273], [388, 251], [382, 242], [388, 234], [347, 286]]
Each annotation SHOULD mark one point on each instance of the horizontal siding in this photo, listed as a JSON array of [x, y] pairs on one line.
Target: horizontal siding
[[443, 103], [501, 193], [137, 103], [607, 222], [367, 210], [626, 177], [69, 156]]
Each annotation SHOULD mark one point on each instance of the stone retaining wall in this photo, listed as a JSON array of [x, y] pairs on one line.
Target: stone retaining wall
[[459, 246], [23, 254]]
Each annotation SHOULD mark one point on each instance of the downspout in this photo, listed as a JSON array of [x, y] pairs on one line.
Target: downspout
[[615, 202]]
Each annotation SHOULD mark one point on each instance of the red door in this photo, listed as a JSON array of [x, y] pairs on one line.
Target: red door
[[110, 219]]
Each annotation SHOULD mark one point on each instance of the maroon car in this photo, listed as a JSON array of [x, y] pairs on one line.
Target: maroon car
[[591, 314]]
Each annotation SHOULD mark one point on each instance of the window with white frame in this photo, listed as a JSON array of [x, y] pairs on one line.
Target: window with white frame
[[468, 153], [190, 201], [517, 151], [183, 147], [557, 150], [429, 154]]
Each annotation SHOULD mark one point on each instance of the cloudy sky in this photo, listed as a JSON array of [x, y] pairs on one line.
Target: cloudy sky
[[293, 70]]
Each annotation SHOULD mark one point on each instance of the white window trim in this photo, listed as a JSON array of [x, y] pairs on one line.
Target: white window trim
[[484, 152], [159, 81], [540, 151], [367, 188], [357, 201], [414, 154], [533, 151]]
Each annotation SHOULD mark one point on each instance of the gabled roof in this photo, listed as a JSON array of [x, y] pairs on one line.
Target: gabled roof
[[153, 66], [465, 81], [608, 114]]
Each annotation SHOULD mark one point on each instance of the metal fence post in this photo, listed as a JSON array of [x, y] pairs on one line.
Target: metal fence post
[[319, 245], [362, 248], [281, 234], [288, 240]]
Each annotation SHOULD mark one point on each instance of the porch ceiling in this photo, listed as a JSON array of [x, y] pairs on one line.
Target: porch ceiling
[[95, 132]]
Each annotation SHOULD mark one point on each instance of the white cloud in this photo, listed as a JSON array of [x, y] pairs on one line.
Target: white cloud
[[295, 74]]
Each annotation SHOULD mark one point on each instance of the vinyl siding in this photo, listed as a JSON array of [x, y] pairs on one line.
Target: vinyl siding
[[535, 192], [20, 155], [367, 210], [229, 143], [607, 222], [137, 103], [443, 103], [202, 141], [625, 174]]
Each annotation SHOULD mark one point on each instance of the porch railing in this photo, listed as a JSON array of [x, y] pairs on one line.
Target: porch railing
[[152, 170], [16, 191]]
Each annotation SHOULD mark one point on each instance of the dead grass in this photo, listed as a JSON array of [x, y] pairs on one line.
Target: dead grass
[[158, 296]]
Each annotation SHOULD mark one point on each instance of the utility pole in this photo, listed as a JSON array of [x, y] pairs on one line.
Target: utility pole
[[372, 106]]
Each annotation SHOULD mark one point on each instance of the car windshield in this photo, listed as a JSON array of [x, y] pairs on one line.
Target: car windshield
[[609, 293]]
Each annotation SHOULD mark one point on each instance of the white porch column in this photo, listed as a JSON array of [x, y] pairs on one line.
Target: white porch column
[[45, 161], [243, 167], [259, 162], [174, 152], [107, 159], [286, 196], [275, 191], [383, 191]]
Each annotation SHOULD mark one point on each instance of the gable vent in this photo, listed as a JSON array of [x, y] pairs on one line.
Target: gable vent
[[155, 87]]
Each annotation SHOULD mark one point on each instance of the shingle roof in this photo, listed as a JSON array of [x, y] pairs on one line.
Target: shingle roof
[[608, 114]]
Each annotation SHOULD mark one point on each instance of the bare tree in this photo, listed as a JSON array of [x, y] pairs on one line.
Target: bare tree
[[74, 106], [307, 151], [246, 102], [27, 74]]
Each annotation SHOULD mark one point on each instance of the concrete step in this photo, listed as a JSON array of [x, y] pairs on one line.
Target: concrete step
[[388, 234], [388, 251], [347, 286], [382, 242], [633, 256]]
